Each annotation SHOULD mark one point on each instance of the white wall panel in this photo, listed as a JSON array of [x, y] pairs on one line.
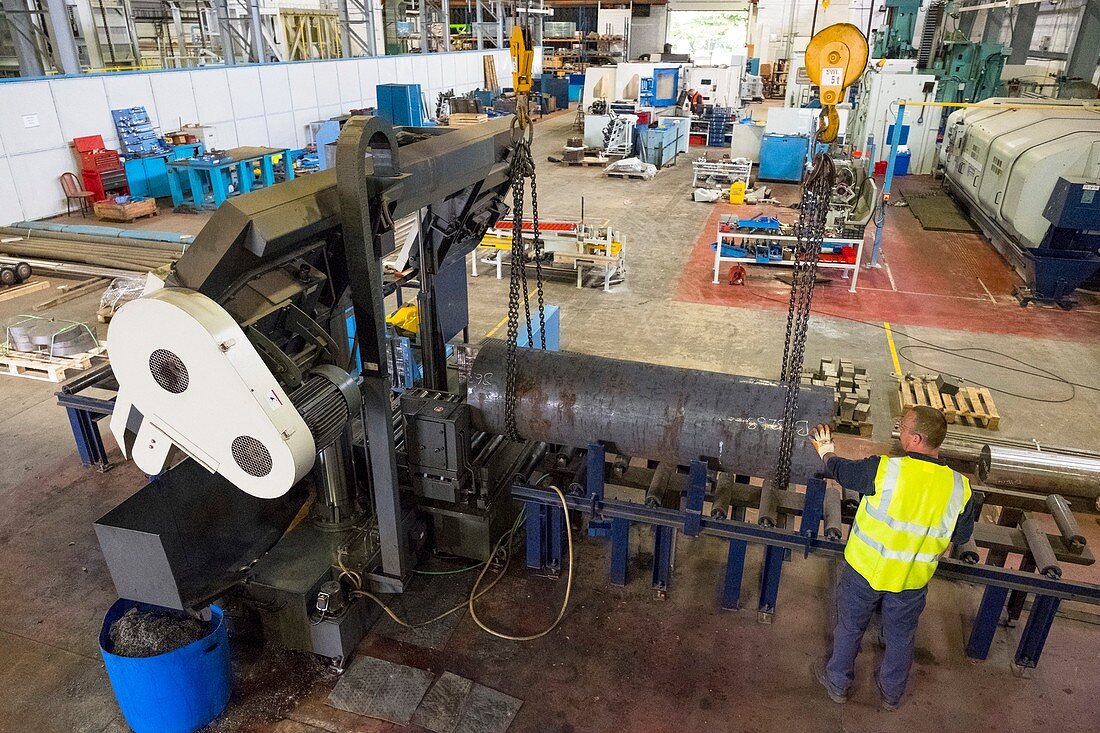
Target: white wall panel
[[251, 131], [245, 89], [175, 99], [387, 70], [348, 76], [39, 190], [368, 82], [327, 82], [132, 90], [10, 209], [212, 95], [249, 105], [29, 103], [275, 86], [82, 108], [280, 130], [302, 118], [303, 87]]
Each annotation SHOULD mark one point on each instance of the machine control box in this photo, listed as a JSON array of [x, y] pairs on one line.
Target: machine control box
[[1074, 204], [437, 439]]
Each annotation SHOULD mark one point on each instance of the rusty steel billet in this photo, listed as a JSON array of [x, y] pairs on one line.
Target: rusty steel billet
[[646, 410]]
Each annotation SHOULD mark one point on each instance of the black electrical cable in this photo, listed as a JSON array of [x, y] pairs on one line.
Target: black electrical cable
[[1039, 371]]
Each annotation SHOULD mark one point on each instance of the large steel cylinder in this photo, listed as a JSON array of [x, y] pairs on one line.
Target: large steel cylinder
[[1041, 471], [646, 410]]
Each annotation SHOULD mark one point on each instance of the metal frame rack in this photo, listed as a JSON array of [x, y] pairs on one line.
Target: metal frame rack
[[776, 239], [613, 518]]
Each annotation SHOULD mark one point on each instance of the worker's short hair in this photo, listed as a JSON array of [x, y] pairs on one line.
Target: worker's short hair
[[929, 423]]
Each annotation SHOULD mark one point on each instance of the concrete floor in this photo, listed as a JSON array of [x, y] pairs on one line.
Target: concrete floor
[[622, 659]]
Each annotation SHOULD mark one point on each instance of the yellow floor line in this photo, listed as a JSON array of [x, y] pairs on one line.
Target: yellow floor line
[[504, 320], [893, 349]]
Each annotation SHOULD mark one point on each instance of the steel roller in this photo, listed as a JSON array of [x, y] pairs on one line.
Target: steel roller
[[646, 410]]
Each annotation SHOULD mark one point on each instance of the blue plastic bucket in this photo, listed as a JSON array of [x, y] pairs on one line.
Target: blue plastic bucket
[[176, 692]]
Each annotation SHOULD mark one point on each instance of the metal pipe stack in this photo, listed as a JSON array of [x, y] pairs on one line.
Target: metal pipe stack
[[72, 252]]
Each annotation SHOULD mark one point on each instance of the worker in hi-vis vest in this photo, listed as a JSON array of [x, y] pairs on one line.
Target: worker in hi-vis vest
[[910, 511]]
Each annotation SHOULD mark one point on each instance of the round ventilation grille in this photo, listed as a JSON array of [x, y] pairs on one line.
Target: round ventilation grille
[[168, 371], [252, 456]]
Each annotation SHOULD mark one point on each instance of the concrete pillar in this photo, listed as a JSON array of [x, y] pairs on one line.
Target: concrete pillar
[[256, 30], [22, 37], [446, 9], [345, 29], [994, 20], [1022, 31], [61, 35], [1085, 49], [477, 30], [966, 22], [425, 17], [225, 32], [498, 11]]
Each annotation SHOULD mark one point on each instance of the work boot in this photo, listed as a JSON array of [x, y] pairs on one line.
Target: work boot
[[886, 703], [817, 669]]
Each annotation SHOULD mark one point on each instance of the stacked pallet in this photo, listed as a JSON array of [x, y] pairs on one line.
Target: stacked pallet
[[852, 388], [461, 119], [960, 404]]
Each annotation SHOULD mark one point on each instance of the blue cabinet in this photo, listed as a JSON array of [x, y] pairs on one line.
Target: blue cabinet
[[400, 104], [149, 176], [660, 144], [782, 158]]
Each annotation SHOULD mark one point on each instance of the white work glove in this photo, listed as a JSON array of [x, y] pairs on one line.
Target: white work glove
[[822, 439]]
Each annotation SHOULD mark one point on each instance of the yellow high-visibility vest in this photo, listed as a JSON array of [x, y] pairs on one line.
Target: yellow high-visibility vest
[[901, 531]]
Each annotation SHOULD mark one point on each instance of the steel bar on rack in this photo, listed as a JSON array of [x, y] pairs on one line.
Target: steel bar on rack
[[775, 537], [646, 410], [68, 268]]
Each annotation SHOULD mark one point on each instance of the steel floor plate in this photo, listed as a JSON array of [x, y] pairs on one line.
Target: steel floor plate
[[380, 689]]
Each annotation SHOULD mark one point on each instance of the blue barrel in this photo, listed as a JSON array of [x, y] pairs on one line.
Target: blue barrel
[[176, 692]]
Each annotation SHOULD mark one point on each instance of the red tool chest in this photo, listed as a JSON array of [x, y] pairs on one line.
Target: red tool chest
[[101, 169]]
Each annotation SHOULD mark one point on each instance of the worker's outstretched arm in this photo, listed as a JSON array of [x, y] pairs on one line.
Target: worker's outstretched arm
[[854, 475]]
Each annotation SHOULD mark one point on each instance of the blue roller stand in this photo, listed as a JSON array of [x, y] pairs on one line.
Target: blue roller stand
[[176, 692]]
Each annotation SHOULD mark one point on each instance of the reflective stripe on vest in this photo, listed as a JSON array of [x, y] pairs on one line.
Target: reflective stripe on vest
[[895, 554]]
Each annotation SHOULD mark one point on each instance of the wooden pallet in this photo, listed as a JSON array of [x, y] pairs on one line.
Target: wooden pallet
[[460, 119], [971, 406], [602, 162], [45, 368], [30, 286], [626, 174]]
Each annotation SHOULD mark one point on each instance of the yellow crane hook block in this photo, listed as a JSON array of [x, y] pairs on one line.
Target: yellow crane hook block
[[835, 58], [523, 57]]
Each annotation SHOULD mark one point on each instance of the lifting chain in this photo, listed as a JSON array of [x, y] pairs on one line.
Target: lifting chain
[[522, 167], [812, 211]]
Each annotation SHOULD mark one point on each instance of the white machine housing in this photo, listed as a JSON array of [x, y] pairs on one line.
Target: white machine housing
[[1006, 161], [189, 377], [719, 85]]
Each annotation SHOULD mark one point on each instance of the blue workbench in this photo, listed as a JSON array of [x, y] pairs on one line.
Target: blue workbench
[[207, 184]]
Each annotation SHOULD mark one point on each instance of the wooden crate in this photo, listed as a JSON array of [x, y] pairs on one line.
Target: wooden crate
[[110, 210], [971, 406], [45, 368], [459, 119]]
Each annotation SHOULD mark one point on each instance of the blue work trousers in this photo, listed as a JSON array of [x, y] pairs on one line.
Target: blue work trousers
[[856, 601]]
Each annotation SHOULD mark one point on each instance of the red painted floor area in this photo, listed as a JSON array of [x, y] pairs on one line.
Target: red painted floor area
[[941, 279]]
